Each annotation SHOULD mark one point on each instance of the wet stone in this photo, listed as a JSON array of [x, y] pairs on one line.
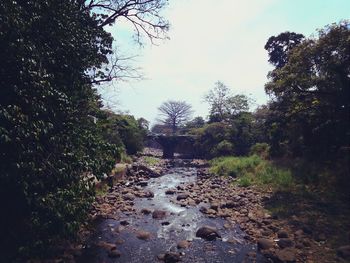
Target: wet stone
[[207, 233]]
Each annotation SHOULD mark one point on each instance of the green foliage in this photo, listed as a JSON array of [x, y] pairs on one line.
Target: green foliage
[[208, 137], [252, 170], [311, 93], [123, 130], [48, 141], [260, 149], [223, 148]]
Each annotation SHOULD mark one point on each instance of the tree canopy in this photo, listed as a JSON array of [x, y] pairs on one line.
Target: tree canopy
[[175, 114]]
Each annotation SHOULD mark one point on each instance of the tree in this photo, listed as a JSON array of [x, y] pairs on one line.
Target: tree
[[279, 46], [311, 94], [52, 52], [175, 113], [224, 105]]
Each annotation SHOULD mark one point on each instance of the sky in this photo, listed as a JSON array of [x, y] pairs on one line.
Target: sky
[[209, 41]]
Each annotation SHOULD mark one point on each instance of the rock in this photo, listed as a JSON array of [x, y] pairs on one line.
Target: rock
[[183, 244], [264, 243], [171, 257], [148, 194], [214, 206], [124, 223], [203, 209], [143, 183], [143, 235], [129, 197], [285, 242], [207, 233], [182, 197], [170, 192], [146, 211], [285, 255], [165, 223], [159, 214], [229, 205], [114, 253], [344, 252], [106, 245], [282, 234]]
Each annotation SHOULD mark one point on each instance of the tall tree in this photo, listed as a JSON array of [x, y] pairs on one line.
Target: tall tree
[[279, 46], [175, 113], [312, 92], [51, 54], [224, 105]]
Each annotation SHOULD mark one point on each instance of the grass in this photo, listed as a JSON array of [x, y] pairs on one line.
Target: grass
[[252, 170], [149, 160]]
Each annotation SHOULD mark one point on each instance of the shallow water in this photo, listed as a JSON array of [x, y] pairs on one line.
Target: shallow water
[[181, 223]]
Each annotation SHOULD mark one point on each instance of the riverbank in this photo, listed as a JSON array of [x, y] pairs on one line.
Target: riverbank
[[156, 207]]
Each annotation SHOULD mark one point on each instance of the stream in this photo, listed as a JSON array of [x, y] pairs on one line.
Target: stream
[[181, 223]]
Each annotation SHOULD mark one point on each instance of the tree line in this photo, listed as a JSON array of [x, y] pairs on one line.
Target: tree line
[[307, 117]]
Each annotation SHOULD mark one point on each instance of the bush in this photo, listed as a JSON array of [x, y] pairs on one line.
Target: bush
[[252, 170], [224, 148], [260, 149]]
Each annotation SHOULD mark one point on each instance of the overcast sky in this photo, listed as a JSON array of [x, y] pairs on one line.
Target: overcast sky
[[213, 40]]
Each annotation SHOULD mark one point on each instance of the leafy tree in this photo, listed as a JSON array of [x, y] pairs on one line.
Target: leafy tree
[[279, 46], [311, 93], [197, 122], [51, 54], [224, 105], [175, 114]]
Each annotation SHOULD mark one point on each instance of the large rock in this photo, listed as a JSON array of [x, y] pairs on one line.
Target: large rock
[[285, 242], [159, 214], [148, 194], [182, 197], [170, 192], [183, 244], [344, 252], [207, 233], [264, 243], [129, 197], [144, 235]]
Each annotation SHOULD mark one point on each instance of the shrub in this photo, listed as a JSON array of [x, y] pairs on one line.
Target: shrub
[[252, 170], [260, 149]]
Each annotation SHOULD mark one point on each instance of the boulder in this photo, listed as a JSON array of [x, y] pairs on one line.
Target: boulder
[[170, 192], [146, 211], [264, 243], [183, 244], [182, 197], [207, 233], [129, 197], [143, 235], [159, 214], [285, 242]]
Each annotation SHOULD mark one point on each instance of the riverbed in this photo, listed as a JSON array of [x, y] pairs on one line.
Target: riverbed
[[180, 223]]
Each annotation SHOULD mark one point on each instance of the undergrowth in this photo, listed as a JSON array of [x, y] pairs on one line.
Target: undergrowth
[[252, 170]]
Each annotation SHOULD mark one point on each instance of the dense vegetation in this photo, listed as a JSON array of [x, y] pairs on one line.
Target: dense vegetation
[[305, 125], [52, 52]]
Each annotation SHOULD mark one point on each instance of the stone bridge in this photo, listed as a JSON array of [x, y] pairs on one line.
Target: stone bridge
[[183, 144]]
